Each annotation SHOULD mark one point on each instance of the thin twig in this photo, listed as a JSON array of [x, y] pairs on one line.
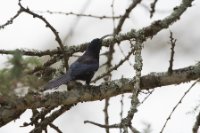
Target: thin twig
[[112, 126], [113, 14], [48, 120], [106, 114], [38, 115], [126, 15], [153, 5], [101, 125], [179, 102], [80, 14], [160, 11], [10, 21], [173, 43], [57, 37], [48, 63], [148, 95], [196, 124], [122, 109], [121, 50], [75, 22], [31, 52], [114, 67], [108, 78], [55, 127], [133, 129], [145, 33]]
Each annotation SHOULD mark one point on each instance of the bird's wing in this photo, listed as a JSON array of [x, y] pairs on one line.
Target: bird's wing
[[78, 68]]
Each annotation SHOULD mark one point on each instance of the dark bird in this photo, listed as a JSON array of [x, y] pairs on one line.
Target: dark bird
[[82, 69]]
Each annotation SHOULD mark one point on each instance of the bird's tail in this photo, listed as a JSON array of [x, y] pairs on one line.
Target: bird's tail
[[63, 79]]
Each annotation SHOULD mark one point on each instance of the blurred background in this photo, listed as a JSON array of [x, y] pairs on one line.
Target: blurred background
[[29, 33]]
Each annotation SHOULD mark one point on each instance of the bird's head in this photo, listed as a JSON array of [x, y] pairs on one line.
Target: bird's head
[[95, 46]]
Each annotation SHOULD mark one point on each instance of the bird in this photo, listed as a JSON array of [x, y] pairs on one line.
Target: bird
[[83, 68]]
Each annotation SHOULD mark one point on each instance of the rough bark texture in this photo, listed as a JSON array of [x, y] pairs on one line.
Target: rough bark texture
[[81, 93]]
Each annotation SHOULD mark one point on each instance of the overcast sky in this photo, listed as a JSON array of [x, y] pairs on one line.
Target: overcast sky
[[29, 33]]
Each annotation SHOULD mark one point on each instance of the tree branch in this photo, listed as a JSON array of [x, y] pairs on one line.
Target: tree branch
[[196, 124], [126, 14], [80, 14], [144, 33], [92, 93], [10, 21], [57, 37]]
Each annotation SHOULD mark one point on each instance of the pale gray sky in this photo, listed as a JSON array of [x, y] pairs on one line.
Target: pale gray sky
[[29, 33]]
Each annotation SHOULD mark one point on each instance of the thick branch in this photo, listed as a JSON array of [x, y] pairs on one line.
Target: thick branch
[[7, 115], [108, 89], [113, 88]]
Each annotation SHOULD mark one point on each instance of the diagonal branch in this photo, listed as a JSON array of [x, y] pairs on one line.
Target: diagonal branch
[[48, 120], [196, 124], [176, 106], [114, 67], [10, 21], [126, 15], [153, 5], [57, 37], [92, 93], [144, 33]]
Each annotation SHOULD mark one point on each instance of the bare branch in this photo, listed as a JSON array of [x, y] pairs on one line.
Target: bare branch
[[57, 37], [133, 129], [144, 33], [137, 86], [126, 15], [76, 21], [122, 109], [12, 110], [80, 14], [55, 127], [45, 66], [48, 120], [111, 126], [38, 115], [31, 52], [196, 124], [179, 102], [148, 95], [81, 93], [10, 21], [106, 114], [173, 43], [114, 67], [153, 5], [101, 125]]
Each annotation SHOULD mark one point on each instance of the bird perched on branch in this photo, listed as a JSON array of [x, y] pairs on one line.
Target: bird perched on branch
[[82, 69]]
